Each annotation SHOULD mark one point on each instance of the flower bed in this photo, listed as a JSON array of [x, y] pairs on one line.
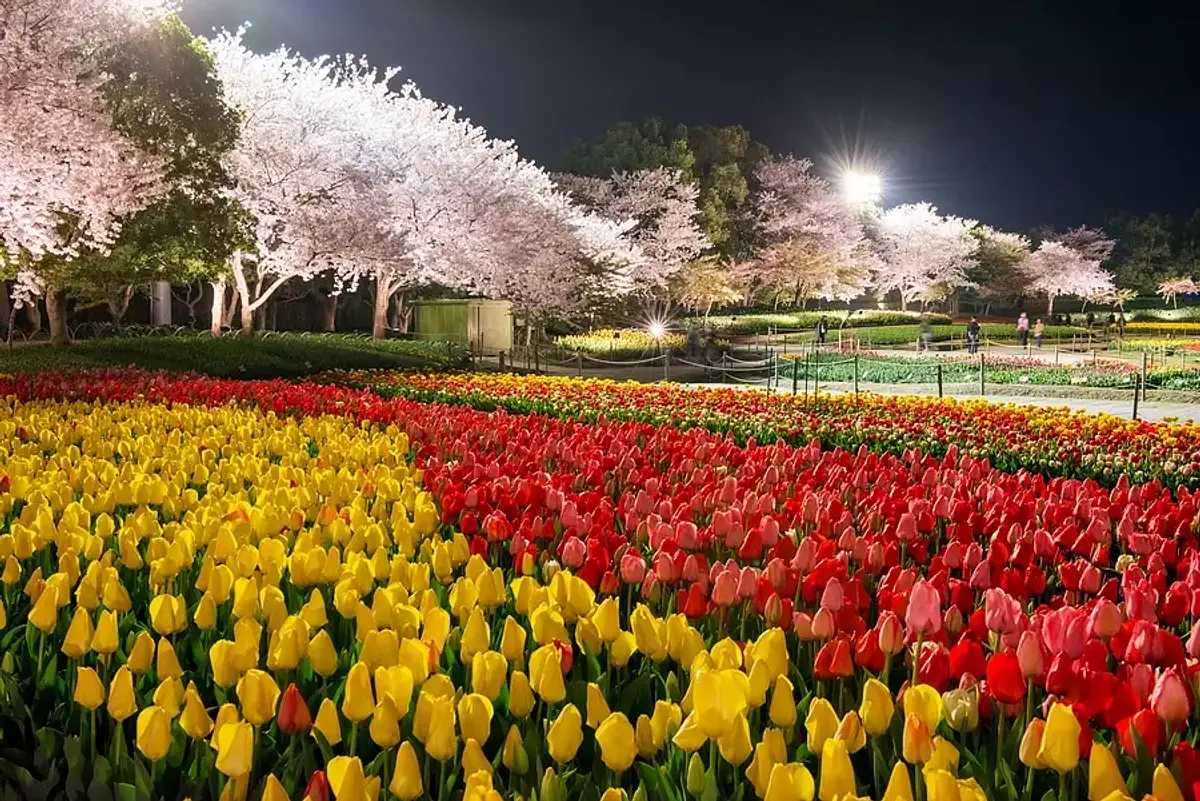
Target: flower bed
[[789, 321], [1156, 327], [617, 343], [885, 336], [213, 593]]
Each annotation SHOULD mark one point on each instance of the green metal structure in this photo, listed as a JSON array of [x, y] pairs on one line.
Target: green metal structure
[[483, 326]]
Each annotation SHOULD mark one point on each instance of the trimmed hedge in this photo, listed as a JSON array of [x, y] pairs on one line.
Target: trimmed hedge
[[270, 356]]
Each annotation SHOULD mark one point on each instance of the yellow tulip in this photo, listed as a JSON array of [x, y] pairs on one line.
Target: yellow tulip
[[274, 791], [169, 695], [121, 701], [104, 640], [475, 717], [44, 614], [258, 695], [545, 671], [322, 656], [89, 691], [235, 749], [734, 744], [206, 613], [416, 656], [435, 626], [621, 649], [385, 723], [643, 736], [720, 699], [475, 637], [607, 619], [837, 774], [227, 715], [473, 759], [1104, 776], [167, 665], [154, 732], [926, 703], [877, 707], [313, 612], [328, 722], [690, 736], [358, 703], [617, 741], [512, 641], [79, 635], [850, 731], [163, 610], [1031, 744], [406, 777], [916, 744], [944, 756], [782, 711], [142, 653], [940, 785], [565, 735], [790, 783], [1060, 741], [520, 695], [648, 633], [195, 720], [770, 751], [597, 707], [1164, 787], [665, 721], [489, 669], [514, 756], [346, 778], [820, 724], [440, 740], [899, 788], [969, 790]]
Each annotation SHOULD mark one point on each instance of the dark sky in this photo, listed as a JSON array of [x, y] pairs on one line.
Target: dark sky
[[1016, 113]]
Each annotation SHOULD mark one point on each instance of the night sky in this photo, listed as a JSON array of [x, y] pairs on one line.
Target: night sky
[[1016, 113]]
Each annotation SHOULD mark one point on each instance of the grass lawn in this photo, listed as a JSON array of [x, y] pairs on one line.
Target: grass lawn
[[271, 356]]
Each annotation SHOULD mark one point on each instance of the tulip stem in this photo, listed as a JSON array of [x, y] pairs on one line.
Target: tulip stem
[[1003, 719], [93, 734], [353, 738], [1062, 787], [917, 656], [37, 679]]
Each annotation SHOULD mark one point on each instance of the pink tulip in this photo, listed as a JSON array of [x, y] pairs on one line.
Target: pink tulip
[[806, 554], [633, 567], [1089, 579], [924, 613], [906, 528], [1030, 656], [1193, 641], [664, 568], [953, 621], [953, 555], [981, 577], [1141, 681], [685, 535], [1141, 602], [1170, 699], [748, 582], [891, 633], [1106, 619], [1002, 612], [831, 598], [824, 625], [802, 625], [972, 557], [770, 531], [692, 571], [777, 573], [875, 557], [574, 552], [721, 524], [660, 534], [724, 590], [1065, 631]]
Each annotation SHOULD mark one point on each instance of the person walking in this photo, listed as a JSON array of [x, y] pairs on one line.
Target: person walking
[[973, 329], [1039, 333], [1121, 325], [1023, 329], [822, 330], [926, 334]]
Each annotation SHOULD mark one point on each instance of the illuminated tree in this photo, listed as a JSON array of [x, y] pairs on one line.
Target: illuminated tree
[[1055, 269], [923, 255], [1172, 288]]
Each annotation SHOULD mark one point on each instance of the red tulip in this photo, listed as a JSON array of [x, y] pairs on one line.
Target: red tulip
[[318, 787], [293, 716], [966, 659], [1147, 728], [1005, 680]]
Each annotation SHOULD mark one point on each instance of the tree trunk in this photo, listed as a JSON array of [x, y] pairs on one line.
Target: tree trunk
[[1050, 305], [247, 320], [160, 303], [34, 312], [218, 308], [56, 311], [383, 297], [329, 307], [903, 303], [403, 313], [6, 315]]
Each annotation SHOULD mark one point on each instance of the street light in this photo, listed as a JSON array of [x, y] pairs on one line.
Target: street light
[[861, 187], [657, 330]]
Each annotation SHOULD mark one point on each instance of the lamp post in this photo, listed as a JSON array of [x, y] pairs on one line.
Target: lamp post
[[862, 188]]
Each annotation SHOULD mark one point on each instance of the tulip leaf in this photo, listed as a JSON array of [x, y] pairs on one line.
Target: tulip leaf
[[323, 744], [1050, 796], [76, 764], [710, 786], [652, 780], [47, 749], [32, 789], [142, 782], [31, 640], [126, 792]]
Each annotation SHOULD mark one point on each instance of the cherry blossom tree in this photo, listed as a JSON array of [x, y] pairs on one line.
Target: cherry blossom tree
[[923, 255], [1172, 288], [814, 242], [1090, 243], [665, 215], [1055, 269], [67, 176], [705, 283]]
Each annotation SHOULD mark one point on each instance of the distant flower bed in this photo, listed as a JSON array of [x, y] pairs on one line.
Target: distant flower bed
[[1170, 345], [791, 321], [1170, 327], [624, 342]]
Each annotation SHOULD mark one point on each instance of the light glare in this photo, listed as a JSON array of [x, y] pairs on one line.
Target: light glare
[[861, 187], [657, 330]]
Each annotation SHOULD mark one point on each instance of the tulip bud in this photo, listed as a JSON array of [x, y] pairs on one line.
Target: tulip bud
[[550, 570], [293, 716], [773, 611], [823, 625], [640, 793], [514, 755], [550, 788], [953, 621], [891, 634], [695, 776], [673, 691], [802, 625], [1031, 744], [1030, 656], [962, 710], [1106, 619]]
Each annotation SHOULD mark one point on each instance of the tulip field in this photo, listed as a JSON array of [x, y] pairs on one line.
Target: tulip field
[[476, 587]]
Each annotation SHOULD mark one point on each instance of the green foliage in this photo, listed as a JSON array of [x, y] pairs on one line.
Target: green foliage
[[272, 356], [887, 336], [628, 147], [165, 94], [1145, 252], [791, 321]]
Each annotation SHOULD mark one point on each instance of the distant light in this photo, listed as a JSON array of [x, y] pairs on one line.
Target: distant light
[[862, 187], [657, 330]]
